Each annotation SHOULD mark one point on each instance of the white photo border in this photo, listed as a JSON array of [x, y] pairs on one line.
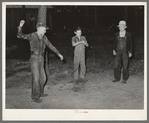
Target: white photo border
[[56, 115]]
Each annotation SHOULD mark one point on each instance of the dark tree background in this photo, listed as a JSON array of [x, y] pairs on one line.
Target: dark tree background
[[94, 20], [68, 17]]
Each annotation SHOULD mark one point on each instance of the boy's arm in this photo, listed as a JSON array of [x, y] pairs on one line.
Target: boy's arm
[[20, 34], [50, 46], [74, 43]]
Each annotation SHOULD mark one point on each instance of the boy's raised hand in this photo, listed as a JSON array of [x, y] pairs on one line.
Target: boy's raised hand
[[22, 23]]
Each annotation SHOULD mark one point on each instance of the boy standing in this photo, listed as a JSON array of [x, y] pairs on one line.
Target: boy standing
[[79, 42], [38, 42], [123, 50]]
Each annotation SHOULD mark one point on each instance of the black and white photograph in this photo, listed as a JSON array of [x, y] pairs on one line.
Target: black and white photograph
[[74, 61]]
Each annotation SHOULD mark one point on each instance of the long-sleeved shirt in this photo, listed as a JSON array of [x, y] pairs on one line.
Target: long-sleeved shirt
[[37, 44]]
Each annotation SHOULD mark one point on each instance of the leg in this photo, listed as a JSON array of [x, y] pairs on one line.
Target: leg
[[76, 65], [42, 78], [35, 95], [117, 70], [125, 67], [82, 65]]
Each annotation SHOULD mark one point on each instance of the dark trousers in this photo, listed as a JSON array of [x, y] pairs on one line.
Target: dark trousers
[[38, 76], [121, 60]]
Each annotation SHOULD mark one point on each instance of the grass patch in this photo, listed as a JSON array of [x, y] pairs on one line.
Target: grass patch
[[60, 77]]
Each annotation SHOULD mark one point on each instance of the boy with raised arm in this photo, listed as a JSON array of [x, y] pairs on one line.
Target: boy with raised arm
[[38, 42]]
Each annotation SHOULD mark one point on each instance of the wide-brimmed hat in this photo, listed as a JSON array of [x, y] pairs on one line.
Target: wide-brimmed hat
[[40, 24], [122, 23]]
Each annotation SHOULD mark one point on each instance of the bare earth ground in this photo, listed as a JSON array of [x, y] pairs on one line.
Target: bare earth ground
[[97, 93]]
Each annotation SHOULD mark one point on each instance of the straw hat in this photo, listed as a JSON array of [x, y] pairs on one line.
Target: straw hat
[[122, 23]]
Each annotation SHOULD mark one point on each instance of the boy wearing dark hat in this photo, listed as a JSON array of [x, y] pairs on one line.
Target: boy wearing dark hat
[[123, 50], [38, 42], [79, 42]]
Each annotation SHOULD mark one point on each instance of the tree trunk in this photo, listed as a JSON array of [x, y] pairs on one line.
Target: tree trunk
[[96, 18], [42, 17], [87, 18], [136, 18], [50, 21], [12, 29], [125, 13]]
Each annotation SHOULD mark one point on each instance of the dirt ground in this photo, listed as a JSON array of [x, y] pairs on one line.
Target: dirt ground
[[99, 92]]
